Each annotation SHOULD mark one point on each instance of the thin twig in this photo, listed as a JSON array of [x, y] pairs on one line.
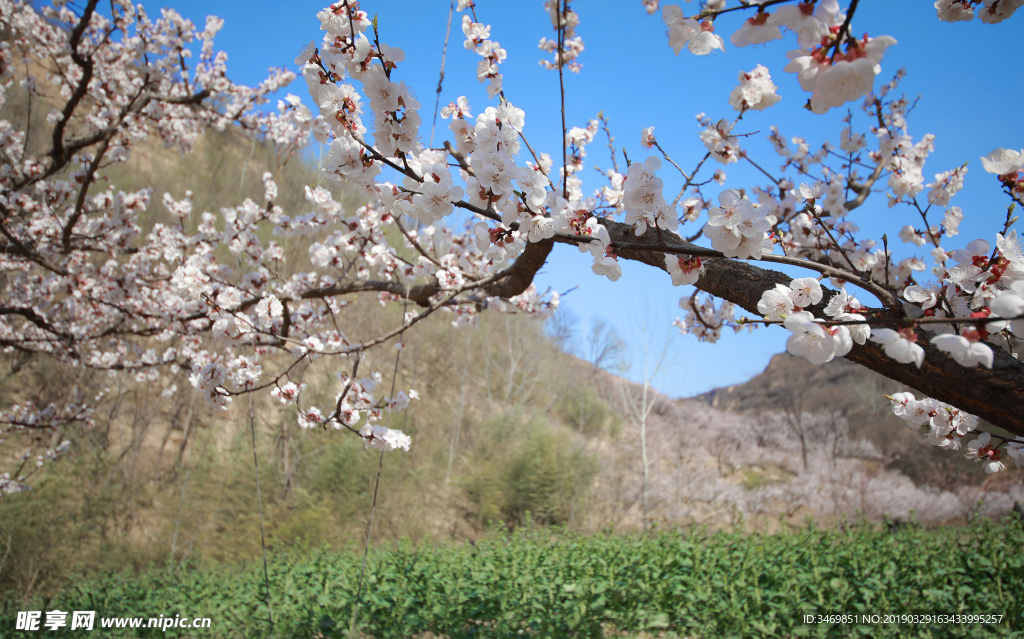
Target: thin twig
[[259, 501], [561, 87], [611, 141], [810, 208], [845, 29], [440, 80]]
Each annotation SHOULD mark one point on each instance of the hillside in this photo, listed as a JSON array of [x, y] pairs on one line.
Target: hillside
[[788, 383]]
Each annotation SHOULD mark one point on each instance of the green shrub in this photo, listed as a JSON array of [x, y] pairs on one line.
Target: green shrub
[[541, 475]]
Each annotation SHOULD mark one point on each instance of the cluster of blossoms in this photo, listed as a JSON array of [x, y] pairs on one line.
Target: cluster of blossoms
[[756, 90], [989, 11], [946, 426], [8, 485], [718, 140], [985, 286], [832, 76], [565, 20], [703, 319], [478, 40], [576, 141], [699, 37], [812, 339], [124, 77], [355, 403], [738, 227], [642, 196]]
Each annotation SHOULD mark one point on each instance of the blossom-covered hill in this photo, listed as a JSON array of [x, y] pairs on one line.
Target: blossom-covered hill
[[793, 442], [788, 384]]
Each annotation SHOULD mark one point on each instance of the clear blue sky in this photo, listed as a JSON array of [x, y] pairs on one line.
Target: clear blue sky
[[967, 75]]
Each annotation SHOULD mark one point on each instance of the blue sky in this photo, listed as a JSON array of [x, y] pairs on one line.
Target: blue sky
[[967, 75]]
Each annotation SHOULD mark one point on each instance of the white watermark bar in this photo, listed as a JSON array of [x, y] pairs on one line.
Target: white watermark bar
[[29, 620]]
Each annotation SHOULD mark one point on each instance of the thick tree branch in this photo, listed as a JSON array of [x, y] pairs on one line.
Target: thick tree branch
[[995, 395]]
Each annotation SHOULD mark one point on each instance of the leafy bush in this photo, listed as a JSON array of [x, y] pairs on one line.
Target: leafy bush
[[539, 477], [584, 410]]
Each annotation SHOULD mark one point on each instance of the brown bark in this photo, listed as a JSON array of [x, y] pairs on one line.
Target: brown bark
[[995, 395]]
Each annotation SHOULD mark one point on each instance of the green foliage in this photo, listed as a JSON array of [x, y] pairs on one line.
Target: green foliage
[[755, 478], [584, 410], [539, 475], [541, 583], [63, 525]]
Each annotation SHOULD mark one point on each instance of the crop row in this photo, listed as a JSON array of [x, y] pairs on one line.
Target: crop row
[[544, 584]]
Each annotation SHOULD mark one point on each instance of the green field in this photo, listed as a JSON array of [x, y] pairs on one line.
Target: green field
[[552, 584]]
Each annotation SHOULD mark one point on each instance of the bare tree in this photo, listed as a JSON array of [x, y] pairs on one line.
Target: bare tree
[[638, 406], [794, 414], [561, 328], [605, 348]]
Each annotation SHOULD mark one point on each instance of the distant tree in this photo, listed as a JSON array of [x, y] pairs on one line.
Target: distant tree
[[606, 350]]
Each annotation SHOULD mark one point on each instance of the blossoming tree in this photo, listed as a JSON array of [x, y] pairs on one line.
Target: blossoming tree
[[83, 286]]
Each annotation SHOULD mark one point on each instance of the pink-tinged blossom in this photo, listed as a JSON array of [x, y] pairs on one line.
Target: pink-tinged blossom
[[306, 53], [851, 142], [954, 10], [926, 298], [703, 320], [1009, 246], [757, 29], [946, 185], [902, 403], [808, 21], [732, 210], [684, 270], [819, 344], [608, 266], [756, 90], [1015, 450], [647, 137], [898, 347], [435, 201], [189, 278], [858, 332], [966, 352], [724, 147], [1003, 161], [975, 250], [921, 412], [995, 11], [842, 302], [951, 220], [834, 82], [982, 450], [805, 291], [537, 228], [1010, 303], [809, 191], [288, 393], [698, 37], [776, 303], [383, 438], [737, 228]]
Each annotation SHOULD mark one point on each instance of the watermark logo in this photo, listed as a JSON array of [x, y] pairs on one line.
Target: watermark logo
[[86, 619]]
